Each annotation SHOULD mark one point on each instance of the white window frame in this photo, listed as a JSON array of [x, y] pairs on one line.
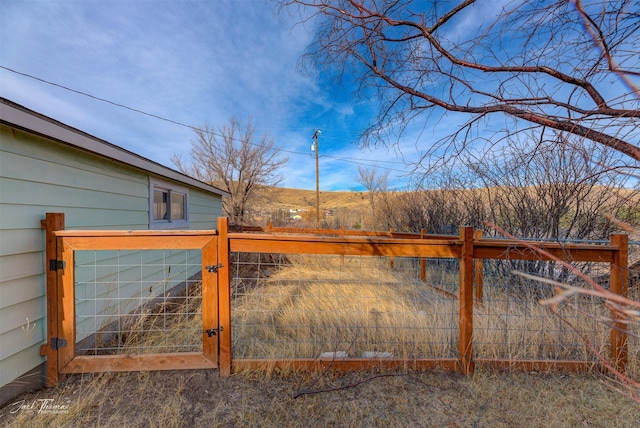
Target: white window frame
[[169, 188]]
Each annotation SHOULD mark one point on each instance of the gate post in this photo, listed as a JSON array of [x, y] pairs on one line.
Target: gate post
[[618, 284], [224, 297], [466, 301], [51, 223]]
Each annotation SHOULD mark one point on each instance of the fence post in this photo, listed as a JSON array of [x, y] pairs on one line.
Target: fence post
[[478, 270], [224, 297], [342, 235], [51, 223], [618, 284], [423, 262], [466, 301], [391, 258]]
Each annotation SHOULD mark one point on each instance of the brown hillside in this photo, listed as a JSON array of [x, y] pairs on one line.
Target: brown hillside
[[306, 199]]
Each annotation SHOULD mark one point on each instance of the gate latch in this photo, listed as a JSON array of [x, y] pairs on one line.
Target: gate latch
[[213, 331], [214, 268]]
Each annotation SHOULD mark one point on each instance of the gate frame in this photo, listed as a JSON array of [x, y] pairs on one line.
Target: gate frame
[[60, 346]]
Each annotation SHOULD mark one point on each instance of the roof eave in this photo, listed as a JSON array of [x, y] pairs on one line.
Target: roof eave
[[27, 120]]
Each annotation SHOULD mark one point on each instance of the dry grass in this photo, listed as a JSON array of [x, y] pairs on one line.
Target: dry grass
[[331, 304], [161, 325], [354, 304], [203, 399]]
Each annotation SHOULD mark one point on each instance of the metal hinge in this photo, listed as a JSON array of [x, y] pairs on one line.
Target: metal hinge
[[57, 343], [57, 264], [214, 268], [213, 331]]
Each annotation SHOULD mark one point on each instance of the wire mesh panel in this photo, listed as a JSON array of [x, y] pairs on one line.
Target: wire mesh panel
[[511, 323], [134, 302], [310, 306]]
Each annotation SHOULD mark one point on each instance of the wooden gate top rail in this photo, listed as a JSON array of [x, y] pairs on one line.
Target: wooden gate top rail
[[90, 233], [135, 240]]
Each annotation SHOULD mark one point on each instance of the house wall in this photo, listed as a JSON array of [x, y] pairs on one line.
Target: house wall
[[38, 175]]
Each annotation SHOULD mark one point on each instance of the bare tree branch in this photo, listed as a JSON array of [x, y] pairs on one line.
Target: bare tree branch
[[564, 65], [230, 159]]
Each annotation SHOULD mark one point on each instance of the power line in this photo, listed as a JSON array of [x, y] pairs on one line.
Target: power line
[[341, 159], [98, 98], [155, 116]]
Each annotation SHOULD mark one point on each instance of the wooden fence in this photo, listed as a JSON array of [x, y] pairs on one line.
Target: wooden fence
[[468, 248]]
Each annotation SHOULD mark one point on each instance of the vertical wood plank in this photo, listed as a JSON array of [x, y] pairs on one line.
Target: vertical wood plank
[[478, 271], [423, 269], [210, 301], [66, 305], [466, 301], [224, 297], [52, 222], [619, 283]]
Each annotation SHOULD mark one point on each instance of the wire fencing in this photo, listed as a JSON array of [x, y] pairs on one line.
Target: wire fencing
[[511, 323], [319, 306], [328, 306], [135, 302]]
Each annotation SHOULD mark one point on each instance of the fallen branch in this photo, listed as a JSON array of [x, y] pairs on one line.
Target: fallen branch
[[353, 385]]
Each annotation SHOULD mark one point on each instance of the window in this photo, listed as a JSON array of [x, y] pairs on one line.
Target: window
[[168, 206]]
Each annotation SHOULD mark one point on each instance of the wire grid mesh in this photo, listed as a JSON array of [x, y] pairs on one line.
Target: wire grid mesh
[[510, 323], [304, 306], [135, 302]]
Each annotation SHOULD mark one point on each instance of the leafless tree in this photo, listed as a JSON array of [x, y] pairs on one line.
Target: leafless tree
[[375, 183], [553, 189], [440, 210], [230, 159], [569, 65]]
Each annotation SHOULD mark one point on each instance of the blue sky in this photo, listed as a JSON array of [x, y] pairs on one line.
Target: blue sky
[[193, 62]]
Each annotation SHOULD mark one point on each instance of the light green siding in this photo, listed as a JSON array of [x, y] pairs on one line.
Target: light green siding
[[39, 175], [204, 210]]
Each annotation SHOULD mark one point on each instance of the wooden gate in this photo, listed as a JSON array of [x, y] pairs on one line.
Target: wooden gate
[[61, 352]]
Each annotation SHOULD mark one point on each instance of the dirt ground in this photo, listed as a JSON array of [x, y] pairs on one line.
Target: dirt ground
[[364, 399]]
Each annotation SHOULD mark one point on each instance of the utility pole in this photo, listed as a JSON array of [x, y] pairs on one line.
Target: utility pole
[[315, 147]]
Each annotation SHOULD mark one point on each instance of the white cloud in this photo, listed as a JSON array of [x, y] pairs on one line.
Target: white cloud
[[193, 62]]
